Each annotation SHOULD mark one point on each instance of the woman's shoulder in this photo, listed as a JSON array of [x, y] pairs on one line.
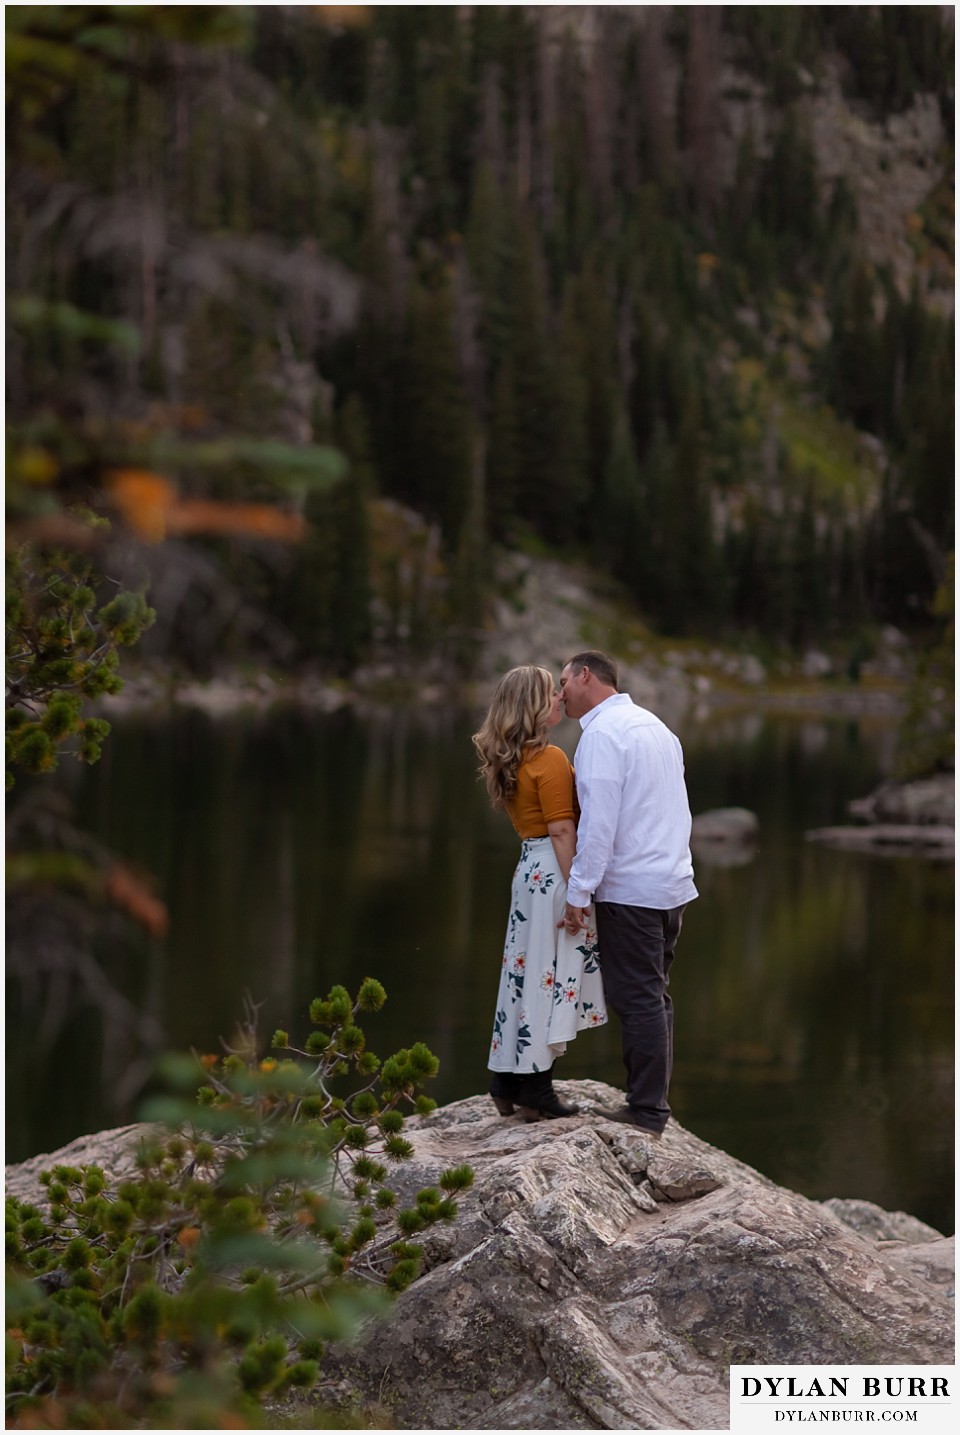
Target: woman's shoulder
[[546, 759]]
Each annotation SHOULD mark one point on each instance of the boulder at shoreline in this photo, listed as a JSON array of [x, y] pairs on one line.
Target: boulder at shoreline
[[595, 1280], [893, 838], [725, 824], [899, 819], [927, 801]]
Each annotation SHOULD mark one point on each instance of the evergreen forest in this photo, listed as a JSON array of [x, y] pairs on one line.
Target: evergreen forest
[[342, 301], [324, 322]]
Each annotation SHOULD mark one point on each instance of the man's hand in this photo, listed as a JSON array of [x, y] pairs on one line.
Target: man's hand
[[573, 919]]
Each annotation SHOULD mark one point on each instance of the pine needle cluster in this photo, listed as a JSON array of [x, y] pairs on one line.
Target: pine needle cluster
[[62, 651], [259, 1223]]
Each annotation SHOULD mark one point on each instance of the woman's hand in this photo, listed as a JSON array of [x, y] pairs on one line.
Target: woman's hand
[[573, 919]]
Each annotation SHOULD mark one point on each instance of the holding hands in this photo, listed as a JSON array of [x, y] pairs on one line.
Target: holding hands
[[573, 919]]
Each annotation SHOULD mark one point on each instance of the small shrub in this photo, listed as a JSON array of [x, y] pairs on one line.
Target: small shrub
[[259, 1225], [61, 652]]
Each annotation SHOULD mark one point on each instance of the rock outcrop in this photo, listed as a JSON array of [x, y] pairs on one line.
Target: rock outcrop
[[894, 839], [735, 825], [595, 1280], [900, 817], [724, 837], [113, 1150], [929, 801]]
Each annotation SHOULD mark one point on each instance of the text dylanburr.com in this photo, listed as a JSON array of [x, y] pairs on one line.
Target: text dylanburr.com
[[766, 1398]]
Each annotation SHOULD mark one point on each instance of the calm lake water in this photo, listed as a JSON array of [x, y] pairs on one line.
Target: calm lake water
[[813, 988]]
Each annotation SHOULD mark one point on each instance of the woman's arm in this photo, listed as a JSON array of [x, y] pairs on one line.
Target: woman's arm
[[563, 835]]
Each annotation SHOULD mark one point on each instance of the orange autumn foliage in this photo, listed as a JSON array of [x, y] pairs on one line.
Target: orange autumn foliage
[[130, 892], [152, 507], [144, 500], [342, 16], [253, 520]]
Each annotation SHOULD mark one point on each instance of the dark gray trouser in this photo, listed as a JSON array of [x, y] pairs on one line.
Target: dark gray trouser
[[636, 946]]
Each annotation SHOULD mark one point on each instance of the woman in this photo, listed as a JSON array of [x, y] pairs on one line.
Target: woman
[[550, 984]]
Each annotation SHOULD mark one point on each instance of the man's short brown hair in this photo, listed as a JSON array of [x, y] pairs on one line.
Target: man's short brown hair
[[600, 664]]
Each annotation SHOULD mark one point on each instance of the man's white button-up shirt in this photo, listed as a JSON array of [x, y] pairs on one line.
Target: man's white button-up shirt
[[633, 839]]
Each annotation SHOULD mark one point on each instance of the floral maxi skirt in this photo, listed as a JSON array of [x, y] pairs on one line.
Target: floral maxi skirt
[[550, 984]]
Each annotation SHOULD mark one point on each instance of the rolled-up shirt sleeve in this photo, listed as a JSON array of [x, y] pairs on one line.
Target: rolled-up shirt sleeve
[[599, 787]]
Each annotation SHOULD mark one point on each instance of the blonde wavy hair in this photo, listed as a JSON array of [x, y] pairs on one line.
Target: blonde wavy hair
[[516, 722]]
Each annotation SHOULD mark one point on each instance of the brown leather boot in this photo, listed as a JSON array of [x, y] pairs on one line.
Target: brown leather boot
[[504, 1089], [536, 1097]]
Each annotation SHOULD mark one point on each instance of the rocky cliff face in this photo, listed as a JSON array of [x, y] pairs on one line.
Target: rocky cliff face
[[892, 167], [596, 1281]]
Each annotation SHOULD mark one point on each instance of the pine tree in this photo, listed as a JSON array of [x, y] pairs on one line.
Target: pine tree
[[622, 530], [701, 107], [846, 593], [503, 453], [534, 394], [434, 421], [658, 140], [569, 491], [350, 614], [569, 237], [482, 238], [742, 200], [653, 578], [441, 99], [792, 211], [810, 609], [644, 397], [851, 364], [694, 593], [470, 568], [598, 328]]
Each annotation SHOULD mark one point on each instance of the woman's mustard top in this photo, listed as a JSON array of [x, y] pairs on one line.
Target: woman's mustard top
[[544, 792]]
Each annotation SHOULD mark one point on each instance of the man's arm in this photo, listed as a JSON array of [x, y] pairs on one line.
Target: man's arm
[[599, 785]]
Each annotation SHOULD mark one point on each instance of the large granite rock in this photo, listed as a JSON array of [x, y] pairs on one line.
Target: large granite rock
[[900, 818], [725, 824], [893, 839], [113, 1150], [725, 836], [598, 1281], [929, 801]]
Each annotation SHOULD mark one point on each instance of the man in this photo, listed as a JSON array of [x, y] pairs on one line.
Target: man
[[633, 858]]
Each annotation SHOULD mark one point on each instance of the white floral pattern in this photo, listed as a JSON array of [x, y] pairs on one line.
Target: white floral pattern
[[550, 985]]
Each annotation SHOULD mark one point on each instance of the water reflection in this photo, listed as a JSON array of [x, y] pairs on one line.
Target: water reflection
[[814, 1023]]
